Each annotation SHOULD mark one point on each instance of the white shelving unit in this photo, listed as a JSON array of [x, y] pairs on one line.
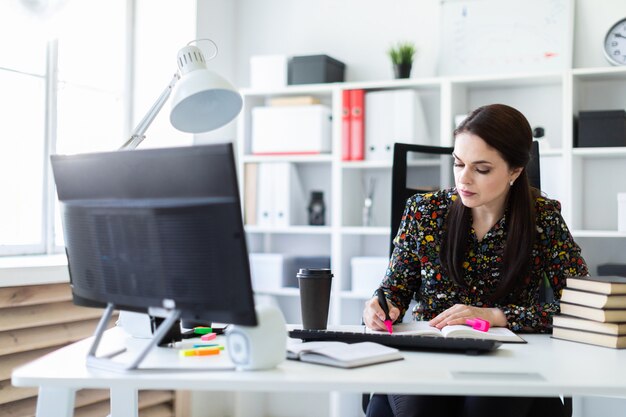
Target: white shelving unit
[[585, 180]]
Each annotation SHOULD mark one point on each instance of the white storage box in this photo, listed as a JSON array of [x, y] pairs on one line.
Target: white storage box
[[268, 71], [269, 270], [291, 130], [367, 273], [621, 212]]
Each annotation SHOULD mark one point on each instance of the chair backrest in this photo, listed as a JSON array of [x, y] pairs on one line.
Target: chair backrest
[[400, 191]]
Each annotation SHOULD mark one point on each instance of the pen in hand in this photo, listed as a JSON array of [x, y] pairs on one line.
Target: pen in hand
[[382, 300]]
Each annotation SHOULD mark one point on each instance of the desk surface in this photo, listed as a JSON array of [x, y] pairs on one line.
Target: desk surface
[[542, 367]]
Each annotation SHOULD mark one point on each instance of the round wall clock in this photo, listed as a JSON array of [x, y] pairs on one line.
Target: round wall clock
[[615, 43]]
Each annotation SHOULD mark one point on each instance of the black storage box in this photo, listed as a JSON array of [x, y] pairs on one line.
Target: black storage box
[[612, 269], [601, 128], [314, 69]]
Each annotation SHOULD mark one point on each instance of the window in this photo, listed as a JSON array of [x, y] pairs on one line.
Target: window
[[62, 82], [65, 87]]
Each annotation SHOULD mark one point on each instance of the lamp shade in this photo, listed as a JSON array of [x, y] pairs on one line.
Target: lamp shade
[[201, 100]]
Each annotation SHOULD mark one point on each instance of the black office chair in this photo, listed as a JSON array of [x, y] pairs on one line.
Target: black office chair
[[401, 190], [404, 186]]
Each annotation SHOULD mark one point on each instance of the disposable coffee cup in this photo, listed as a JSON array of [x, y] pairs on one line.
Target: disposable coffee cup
[[315, 287]]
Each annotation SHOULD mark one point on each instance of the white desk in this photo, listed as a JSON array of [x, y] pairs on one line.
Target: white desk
[[543, 367]]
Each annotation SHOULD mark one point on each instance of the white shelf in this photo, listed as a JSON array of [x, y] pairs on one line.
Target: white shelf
[[283, 292], [309, 159], [599, 233], [370, 231], [299, 230], [549, 99], [387, 164], [601, 152], [349, 295], [510, 80], [602, 73], [304, 89], [551, 152], [419, 83]]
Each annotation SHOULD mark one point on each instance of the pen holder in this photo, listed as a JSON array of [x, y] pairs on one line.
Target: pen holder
[[478, 324]]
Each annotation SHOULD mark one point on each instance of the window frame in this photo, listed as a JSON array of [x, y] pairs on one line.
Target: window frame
[[47, 244]]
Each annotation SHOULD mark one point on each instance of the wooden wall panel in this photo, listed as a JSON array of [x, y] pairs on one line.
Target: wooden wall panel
[[36, 319], [22, 340], [34, 294]]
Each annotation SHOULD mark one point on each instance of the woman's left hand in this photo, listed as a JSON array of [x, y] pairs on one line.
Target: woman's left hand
[[458, 313]]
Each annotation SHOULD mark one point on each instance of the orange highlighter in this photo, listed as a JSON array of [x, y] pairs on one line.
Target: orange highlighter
[[382, 300]]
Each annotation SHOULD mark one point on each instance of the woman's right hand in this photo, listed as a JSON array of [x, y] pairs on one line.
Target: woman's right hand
[[374, 316]]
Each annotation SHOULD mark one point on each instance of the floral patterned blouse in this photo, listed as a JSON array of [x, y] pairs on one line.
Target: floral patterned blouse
[[415, 266]]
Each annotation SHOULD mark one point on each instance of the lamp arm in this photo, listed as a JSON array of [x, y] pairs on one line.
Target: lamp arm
[[138, 134]]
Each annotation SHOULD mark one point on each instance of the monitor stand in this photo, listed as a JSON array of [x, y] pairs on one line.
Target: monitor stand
[[106, 362]]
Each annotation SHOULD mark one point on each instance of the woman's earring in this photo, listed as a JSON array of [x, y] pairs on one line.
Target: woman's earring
[[511, 183]]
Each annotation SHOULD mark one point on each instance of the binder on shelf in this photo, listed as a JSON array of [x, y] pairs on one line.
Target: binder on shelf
[[393, 116], [250, 187], [280, 198], [289, 207], [265, 206], [346, 120], [357, 125]]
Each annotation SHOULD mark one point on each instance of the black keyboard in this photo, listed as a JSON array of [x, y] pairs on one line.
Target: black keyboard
[[400, 341]]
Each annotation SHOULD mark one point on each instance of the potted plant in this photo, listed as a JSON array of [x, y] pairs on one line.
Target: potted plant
[[402, 55]]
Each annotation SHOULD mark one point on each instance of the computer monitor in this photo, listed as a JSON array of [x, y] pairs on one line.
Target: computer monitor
[[157, 230]]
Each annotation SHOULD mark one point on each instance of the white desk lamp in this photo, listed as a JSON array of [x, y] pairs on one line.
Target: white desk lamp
[[202, 100]]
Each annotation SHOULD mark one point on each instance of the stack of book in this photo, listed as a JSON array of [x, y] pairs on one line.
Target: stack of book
[[593, 310]]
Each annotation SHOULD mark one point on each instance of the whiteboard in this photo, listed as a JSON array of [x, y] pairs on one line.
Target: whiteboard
[[505, 36]]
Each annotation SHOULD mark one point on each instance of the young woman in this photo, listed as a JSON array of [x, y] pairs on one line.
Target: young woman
[[481, 249]]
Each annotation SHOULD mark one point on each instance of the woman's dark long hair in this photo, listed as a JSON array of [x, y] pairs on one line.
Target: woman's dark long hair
[[506, 130]]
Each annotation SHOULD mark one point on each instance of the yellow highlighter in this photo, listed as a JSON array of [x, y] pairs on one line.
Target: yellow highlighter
[[202, 351]]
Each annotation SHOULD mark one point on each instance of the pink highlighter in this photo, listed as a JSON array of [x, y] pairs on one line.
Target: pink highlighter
[[478, 324]]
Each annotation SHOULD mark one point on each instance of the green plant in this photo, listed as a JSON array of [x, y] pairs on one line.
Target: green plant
[[402, 53]]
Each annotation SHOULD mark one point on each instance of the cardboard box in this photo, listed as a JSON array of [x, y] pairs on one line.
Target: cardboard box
[[269, 270], [291, 130], [315, 69], [268, 71], [601, 129], [367, 273]]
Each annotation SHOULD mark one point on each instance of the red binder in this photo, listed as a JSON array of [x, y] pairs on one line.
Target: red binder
[[357, 125], [346, 120]]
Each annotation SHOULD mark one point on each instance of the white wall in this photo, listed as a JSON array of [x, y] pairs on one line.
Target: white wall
[[155, 55], [216, 20], [358, 32]]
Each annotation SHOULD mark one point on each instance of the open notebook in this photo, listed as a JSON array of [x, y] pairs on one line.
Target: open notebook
[[343, 355], [501, 334]]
